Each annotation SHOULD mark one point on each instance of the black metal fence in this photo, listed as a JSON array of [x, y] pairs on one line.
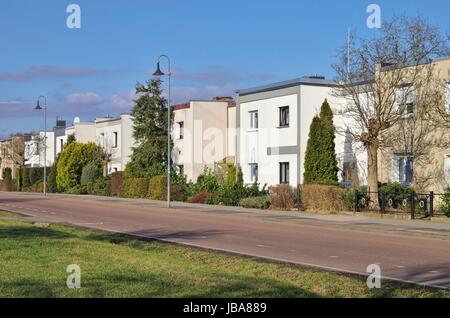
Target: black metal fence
[[417, 205]]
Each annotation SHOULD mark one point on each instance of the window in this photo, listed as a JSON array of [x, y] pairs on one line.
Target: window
[[284, 116], [254, 172], [181, 130], [447, 170], [181, 170], [405, 101], [404, 172], [115, 169], [284, 173], [115, 140], [253, 120], [61, 143]]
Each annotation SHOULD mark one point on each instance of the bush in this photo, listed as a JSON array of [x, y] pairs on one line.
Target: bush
[[135, 188], [51, 182], [445, 206], [397, 193], [71, 162], [7, 179], [78, 189], [101, 187], [157, 190], [256, 202], [350, 197], [91, 172], [282, 197], [324, 198], [25, 179], [117, 182], [201, 198]]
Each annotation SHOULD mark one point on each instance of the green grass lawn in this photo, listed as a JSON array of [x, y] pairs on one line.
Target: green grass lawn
[[34, 258]]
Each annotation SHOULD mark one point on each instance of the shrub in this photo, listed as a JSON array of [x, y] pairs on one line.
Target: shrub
[[117, 182], [230, 195], [445, 205], [350, 197], [396, 192], [91, 172], [135, 188], [26, 179], [101, 187], [201, 198], [157, 189], [7, 179], [51, 182], [324, 198], [282, 197], [71, 162], [255, 202], [78, 189]]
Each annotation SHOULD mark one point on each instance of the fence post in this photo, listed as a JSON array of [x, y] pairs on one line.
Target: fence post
[[356, 201], [383, 202], [413, 205], [431, 203]]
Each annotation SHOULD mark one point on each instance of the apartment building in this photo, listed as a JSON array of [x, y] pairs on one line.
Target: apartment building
[[273, 126], [115, 136], [204, 134]]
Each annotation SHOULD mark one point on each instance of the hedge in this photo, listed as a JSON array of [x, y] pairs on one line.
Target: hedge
[[323, 198], [282, 197], [135, 188], [157, 190], [117, 183]]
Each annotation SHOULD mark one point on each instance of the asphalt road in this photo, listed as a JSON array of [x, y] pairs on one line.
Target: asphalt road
[[329, 245]]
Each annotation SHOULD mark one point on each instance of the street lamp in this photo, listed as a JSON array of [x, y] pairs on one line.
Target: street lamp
[[39, 107], [159, 73]]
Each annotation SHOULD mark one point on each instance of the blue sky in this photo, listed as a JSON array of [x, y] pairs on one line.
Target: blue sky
[[216, 47]]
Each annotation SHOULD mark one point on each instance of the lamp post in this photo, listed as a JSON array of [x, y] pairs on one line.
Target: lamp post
[[39, 107], [159, 73]]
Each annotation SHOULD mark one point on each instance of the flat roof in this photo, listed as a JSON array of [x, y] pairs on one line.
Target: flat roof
[[305, 80]]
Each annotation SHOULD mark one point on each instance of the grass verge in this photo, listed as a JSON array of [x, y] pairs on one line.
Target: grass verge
[[34, 258]]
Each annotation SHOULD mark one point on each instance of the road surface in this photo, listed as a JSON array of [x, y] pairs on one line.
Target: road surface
[[338, 245]]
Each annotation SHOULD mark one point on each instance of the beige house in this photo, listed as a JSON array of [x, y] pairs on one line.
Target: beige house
[[12, 154], [422, 155], [204, 134]]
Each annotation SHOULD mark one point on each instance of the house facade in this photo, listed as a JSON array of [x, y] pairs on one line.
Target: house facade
[[429, 171], [115, 136], [273, 126], [84, 132], [204, 134], [12, 154]]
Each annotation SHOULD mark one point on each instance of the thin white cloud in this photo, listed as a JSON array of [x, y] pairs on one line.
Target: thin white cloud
[[84, 99]]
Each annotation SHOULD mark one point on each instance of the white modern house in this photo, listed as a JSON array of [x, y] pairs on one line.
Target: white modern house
[[84, 132], [35, 145], [115, 136], [204, 134], [273, 126]]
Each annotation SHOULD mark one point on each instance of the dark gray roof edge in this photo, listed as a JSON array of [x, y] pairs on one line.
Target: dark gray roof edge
[[286, 84]]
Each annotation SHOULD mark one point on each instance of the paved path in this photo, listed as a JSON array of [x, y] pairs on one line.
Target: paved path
[[412, 251]]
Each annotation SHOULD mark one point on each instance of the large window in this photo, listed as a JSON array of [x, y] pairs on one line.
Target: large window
[[284, 116], [115, 140], [181, 130], [284, 172], [447, 170], [254, 120], [404, 169], [254, 172], [405, 101]]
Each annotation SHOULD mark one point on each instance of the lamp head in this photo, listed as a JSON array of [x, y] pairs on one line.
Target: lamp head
[[38, 106], [158, 71]]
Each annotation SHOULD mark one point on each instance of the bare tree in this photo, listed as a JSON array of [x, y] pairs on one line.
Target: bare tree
[[378, 78]]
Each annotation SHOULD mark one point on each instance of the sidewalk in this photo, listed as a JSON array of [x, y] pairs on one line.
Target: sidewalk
[[356, 222]]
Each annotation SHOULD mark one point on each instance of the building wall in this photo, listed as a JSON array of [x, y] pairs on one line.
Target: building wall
[[206, 135]]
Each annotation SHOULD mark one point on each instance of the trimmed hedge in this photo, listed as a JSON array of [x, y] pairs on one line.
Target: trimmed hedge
[[256, 203], [157, 190], [282, 197], [324, 198], [117, 183], [200, 198], [135, 188]]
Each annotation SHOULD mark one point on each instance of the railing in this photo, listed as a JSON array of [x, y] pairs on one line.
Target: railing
[[417, 205]]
